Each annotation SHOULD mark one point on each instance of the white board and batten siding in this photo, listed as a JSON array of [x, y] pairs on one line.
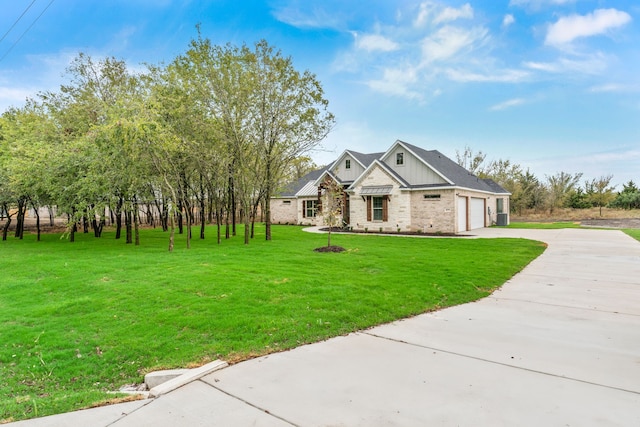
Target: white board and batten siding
[[351, 174], [412, 169]]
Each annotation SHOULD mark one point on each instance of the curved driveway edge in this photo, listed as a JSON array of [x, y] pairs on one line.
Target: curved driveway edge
[[557, 345]]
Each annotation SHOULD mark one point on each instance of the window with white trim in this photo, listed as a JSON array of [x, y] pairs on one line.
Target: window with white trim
[[399, 159], [347, 164]]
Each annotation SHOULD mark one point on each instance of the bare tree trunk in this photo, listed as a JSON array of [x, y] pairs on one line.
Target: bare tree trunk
[[164, 214], [22, 210], [136, 221], [219, 223], [188, 214], [74, 227], [127, 224], [85, 221], [172, 233], [118, 215], [179, 217], [37, 222], [5, 229], [52, 221]]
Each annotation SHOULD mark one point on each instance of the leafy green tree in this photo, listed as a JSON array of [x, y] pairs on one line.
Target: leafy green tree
[[529, 192], [628, 198], [560, 187], [578, 199], [289, 116], [94, 170], [7, 195], [32, 134], [600, 192]]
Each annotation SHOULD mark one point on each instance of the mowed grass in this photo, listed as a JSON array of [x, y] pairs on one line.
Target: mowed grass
[[543, 225], [633, 232], [80, 319]]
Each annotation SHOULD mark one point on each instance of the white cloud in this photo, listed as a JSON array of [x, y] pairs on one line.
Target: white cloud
[[449, 14], [536, 4], [508, 20], [374, 42], [507, 104], [14, 97], [590, 65], [397, 82], [353, 135], [299, 18], [614, 88], [609, 156], [500, 76], [572, 27], [448, 41], [423, 49], [440, 15], [424, 11]]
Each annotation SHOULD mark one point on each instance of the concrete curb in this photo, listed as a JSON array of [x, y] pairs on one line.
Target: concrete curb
[[191, 375]]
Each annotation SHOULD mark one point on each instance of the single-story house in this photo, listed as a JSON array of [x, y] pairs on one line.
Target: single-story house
[[403, 189]]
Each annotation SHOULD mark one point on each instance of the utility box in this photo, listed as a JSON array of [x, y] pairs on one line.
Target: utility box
[[502, 220]]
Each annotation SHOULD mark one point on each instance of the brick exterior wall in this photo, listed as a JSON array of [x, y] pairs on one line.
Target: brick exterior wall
[[431, 215], [284, 211], [407, 210], [398, 206]]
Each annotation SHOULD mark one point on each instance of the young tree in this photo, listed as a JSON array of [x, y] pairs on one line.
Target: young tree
[[600, 192], [471, 161], [332, 197], [560, 186], [529, 192]]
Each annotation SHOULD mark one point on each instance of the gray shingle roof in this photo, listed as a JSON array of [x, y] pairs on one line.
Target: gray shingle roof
[[459, 176], [365, 159], [497, 188]]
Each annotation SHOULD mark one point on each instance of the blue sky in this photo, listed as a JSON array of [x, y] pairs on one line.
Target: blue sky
[[552, 85]]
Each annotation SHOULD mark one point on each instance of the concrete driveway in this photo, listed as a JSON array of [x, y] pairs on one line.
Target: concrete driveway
[[558, 345]]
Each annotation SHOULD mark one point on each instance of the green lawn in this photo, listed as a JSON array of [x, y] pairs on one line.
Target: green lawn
[[543, 225], [80, 319], [633, 232]]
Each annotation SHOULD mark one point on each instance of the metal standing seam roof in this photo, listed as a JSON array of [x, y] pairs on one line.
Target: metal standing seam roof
[[376, 190], [309, 190]]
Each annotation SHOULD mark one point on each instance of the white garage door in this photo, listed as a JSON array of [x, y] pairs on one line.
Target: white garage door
[[477, 213], [462, 214]]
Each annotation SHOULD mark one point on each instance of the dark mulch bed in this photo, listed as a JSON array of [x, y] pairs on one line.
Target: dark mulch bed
[[392, 233], [330, 249]]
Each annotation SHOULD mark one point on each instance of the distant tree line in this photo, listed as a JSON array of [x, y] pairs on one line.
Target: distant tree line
[[208, 138], [562, 190]]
